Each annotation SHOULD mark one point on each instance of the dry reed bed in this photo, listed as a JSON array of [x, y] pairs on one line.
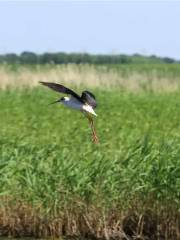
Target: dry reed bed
[[122, 77], [23, 220]]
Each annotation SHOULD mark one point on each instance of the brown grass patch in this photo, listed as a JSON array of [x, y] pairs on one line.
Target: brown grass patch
[[89, 76], [18, 219]]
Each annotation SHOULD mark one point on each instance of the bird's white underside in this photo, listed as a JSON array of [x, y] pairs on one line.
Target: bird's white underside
[[74, 103]]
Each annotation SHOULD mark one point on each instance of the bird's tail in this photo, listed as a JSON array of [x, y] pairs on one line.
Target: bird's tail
[[89, 109]]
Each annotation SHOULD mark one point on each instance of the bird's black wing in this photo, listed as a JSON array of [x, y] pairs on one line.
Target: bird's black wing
[[89, 98], [62, 89]]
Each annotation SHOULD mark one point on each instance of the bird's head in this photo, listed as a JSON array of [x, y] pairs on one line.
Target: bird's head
[[64, 99]]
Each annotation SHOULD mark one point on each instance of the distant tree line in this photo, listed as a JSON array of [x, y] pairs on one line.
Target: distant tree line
[[79, 58]]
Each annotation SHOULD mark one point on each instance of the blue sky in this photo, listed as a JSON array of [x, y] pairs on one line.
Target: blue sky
[[145, 27]]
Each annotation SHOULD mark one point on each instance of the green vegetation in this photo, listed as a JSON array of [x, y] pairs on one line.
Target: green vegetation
[[80, 58], [55, 181]]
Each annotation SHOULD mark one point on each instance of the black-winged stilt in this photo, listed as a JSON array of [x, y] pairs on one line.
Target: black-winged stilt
[[86, 103]]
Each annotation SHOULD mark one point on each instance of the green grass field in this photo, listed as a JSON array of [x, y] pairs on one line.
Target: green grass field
[[55, 181]]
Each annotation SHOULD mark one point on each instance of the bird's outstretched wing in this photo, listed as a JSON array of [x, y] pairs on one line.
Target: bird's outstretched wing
[[89, 98], [62, 89]]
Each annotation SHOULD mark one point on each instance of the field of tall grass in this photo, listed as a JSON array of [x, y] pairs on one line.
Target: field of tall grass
[[56, 182], [131, 77]]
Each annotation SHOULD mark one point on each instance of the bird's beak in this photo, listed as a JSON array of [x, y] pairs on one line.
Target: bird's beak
[[54, 102]]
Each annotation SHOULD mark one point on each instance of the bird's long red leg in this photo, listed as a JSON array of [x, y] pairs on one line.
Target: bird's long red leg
[[94, 135]]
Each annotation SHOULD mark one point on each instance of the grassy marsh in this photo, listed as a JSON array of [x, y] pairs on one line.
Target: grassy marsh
[[55, 182]]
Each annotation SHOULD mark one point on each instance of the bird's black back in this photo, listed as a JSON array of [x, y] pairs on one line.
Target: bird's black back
[[89, 98]]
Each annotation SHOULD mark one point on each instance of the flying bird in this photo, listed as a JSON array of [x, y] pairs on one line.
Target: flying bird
[[85, 103]]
